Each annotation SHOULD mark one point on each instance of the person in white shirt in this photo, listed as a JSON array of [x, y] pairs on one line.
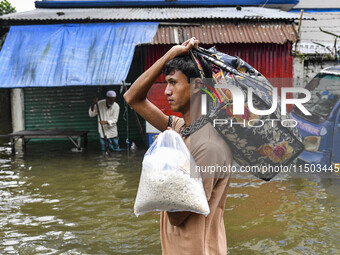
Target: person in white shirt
[[109, 113]]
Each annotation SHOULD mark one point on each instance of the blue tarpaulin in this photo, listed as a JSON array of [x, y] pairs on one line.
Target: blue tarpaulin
[[71, 54]]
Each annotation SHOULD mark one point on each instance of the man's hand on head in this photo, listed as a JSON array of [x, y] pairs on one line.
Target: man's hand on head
[[192, 43], [136, 96], [184, 48]]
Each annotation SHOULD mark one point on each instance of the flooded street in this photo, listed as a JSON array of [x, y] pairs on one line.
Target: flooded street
[[54, 201], [261, 75]]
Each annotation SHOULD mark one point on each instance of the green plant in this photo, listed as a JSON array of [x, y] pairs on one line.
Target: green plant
[[6, 7]]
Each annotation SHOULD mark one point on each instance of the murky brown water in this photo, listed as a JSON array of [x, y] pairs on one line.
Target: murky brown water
[[54, 201]]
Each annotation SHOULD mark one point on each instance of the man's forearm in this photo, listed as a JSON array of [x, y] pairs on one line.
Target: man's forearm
[[136, 96], [140, 88]]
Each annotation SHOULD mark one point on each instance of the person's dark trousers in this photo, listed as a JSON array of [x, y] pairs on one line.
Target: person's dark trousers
[[113, 144]]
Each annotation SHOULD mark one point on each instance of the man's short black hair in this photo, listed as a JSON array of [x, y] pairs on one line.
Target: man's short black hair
[[186, 65]]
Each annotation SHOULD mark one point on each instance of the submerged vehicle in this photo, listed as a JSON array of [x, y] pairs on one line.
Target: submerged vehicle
[[321, 129]]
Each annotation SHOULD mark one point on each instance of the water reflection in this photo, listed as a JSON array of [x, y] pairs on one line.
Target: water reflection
[[53, 201], [292, 216]]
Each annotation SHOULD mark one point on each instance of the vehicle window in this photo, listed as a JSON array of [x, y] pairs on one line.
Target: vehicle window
[[325, 92]]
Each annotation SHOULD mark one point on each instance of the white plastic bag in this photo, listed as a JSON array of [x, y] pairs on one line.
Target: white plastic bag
[[165, 183]]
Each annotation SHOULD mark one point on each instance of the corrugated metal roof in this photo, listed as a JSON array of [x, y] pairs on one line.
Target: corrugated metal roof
[[227, 32], [110, 14]]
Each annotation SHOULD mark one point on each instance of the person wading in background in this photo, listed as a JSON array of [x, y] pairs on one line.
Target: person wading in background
[[187, 233], [107, 120]]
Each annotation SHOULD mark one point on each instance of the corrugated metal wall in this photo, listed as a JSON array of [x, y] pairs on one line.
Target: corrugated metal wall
[[272, 60], [228, 32], [67, 108]]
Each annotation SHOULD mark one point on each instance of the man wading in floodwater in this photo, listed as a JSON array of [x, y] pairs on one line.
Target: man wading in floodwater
[[107, 120], [187, 233]]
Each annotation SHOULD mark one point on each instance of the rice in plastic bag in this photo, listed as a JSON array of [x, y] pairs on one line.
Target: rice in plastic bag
[[165, 183]]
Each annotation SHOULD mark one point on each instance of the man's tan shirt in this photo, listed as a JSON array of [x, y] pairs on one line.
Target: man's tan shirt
[[200, 235]]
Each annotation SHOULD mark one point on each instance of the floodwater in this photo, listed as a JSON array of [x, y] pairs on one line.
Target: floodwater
[[55, 201]]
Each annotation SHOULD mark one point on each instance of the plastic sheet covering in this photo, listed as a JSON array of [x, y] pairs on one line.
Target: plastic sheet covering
[[71, 54]]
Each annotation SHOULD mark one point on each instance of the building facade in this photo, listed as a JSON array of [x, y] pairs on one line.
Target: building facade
[[261, 36]]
